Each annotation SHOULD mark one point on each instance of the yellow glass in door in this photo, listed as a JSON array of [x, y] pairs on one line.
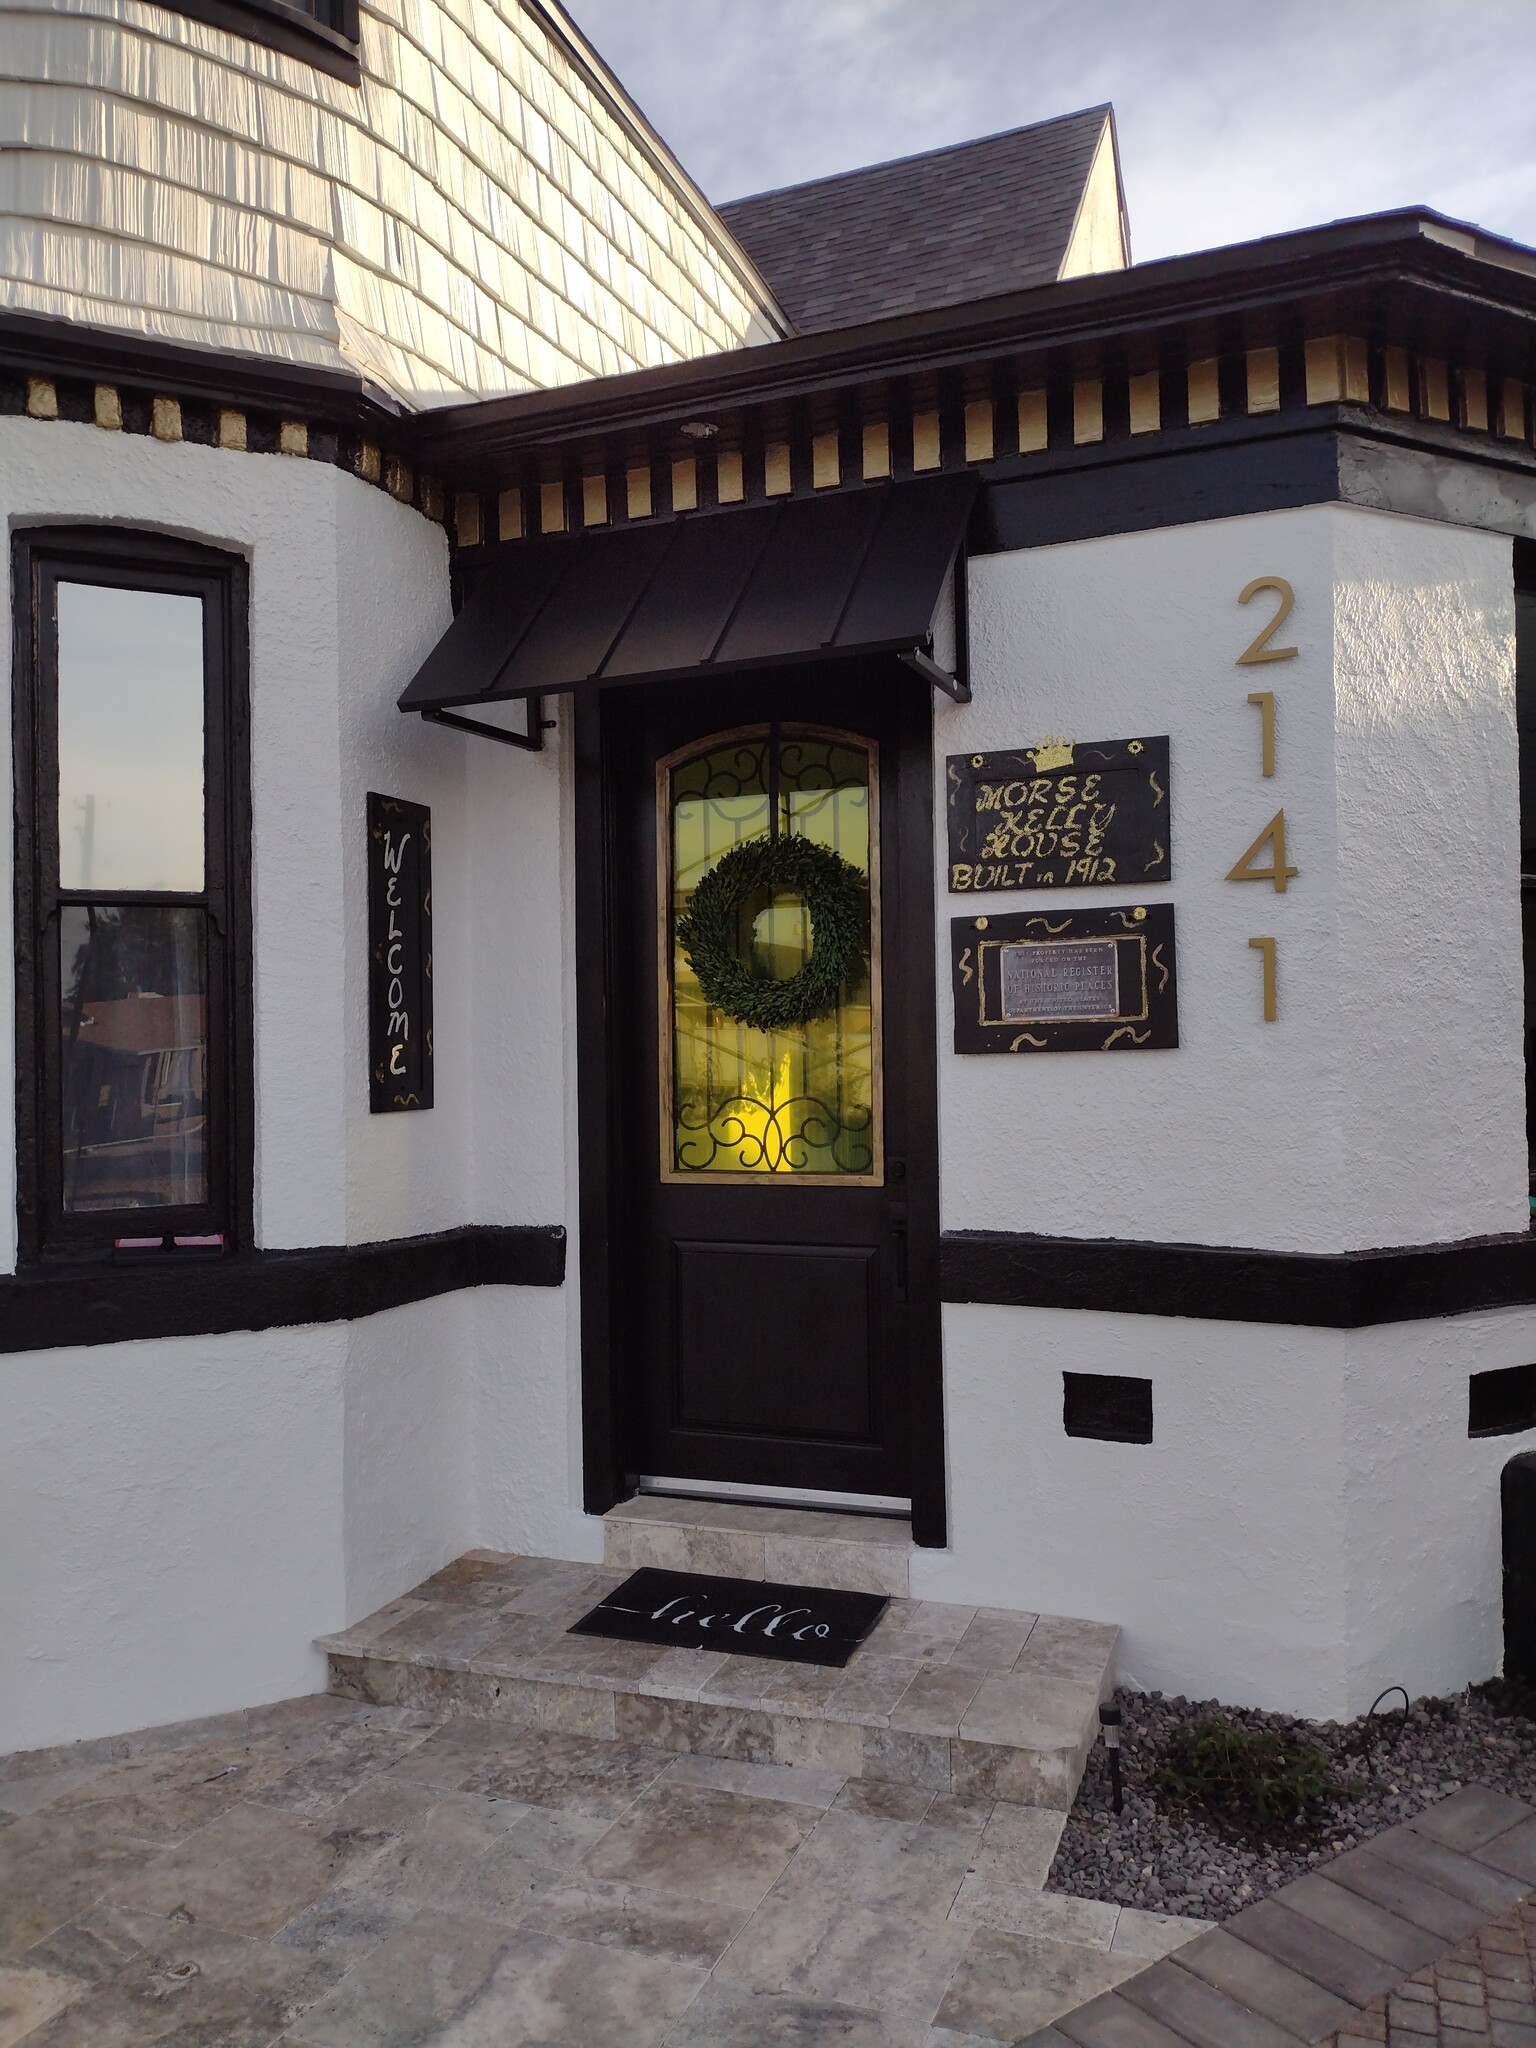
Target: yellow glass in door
[[802, 1100]]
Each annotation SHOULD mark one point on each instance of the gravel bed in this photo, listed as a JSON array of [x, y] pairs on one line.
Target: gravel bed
[[1171, 1861]]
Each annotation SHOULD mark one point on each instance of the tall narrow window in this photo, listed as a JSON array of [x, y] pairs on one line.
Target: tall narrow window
[[131, 879]]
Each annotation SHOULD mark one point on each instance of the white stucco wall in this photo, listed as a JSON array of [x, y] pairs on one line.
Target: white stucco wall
[[348, 591], [1386, 1105], [475, 217], [1311, 1522], [525, 1402], [170, 1528], [179, 1519]]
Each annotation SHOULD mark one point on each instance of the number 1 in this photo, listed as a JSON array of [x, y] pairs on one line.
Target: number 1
[[1265, 699], [1267, 948]]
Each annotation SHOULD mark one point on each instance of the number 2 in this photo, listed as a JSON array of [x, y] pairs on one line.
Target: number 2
[[1259, 649]]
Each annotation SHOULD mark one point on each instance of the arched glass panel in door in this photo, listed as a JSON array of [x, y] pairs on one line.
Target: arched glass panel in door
[[800, 1100]]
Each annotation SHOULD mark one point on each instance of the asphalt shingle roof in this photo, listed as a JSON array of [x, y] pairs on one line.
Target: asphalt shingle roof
[[933, 230]]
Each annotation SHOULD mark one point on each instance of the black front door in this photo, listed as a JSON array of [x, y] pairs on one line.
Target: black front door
[[771, 1312]]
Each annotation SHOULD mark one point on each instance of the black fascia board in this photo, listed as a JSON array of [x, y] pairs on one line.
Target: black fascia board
[[1415, 262], [1412, 275], [35, 344]]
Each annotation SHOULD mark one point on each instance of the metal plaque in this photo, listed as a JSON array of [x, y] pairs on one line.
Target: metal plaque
[[399, 955], [1077, 978], [1062, 815], [1070, 981]]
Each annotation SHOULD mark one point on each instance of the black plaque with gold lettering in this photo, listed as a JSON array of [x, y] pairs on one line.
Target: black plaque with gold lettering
[[1062, 815], [1069, 981], [399, 954]]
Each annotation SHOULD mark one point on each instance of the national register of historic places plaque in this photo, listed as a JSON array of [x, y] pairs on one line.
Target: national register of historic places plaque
[[1062, 815], [1065, 981]]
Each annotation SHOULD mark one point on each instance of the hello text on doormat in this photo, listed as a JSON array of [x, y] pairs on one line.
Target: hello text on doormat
[[741, 1617]]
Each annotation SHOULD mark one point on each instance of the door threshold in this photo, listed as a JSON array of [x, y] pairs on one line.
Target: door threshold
[[889, 1506]]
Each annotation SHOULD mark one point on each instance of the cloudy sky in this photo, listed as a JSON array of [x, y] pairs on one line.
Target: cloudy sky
[[1236, 117]]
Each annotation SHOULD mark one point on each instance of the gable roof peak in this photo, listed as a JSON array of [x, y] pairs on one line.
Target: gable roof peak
[[1104, 111], [970, 220]]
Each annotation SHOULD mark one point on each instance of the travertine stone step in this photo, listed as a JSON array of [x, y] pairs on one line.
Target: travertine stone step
[[737, 1540], [963, 1700]]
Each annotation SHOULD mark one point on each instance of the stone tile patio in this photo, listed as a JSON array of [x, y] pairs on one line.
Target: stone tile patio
[[501, 1836], [980, 1702], [330, 1873]]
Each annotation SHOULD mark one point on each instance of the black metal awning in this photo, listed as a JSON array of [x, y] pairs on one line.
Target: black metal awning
[[801, 579]]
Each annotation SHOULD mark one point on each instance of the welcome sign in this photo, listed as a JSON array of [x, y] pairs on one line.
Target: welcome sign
[[741, 1617], [399, 954]]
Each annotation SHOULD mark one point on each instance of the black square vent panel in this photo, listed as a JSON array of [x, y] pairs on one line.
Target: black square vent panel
[[1106, 1405]]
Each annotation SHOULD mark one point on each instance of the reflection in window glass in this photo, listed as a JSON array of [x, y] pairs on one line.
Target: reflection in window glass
[[805, 1098], [134, 1023], [130, 739]]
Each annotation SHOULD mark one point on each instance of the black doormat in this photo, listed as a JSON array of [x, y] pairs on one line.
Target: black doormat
[[743, 1617]]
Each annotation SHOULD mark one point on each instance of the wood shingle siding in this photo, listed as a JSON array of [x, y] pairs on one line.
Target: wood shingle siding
[[473, 217]]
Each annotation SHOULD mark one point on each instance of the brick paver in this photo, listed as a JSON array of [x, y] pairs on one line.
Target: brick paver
[[1428, 1932]]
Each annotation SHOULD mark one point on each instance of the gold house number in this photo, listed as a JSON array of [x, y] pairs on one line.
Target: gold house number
[[1259, 649], [1277, 870]]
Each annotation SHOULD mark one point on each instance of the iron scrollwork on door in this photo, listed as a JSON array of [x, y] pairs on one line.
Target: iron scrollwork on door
[[800, 1100]]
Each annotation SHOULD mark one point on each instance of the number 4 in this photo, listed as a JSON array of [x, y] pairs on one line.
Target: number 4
[[1273, 836]]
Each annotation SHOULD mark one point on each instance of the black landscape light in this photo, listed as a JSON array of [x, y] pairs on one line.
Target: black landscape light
[[1110, 1719]]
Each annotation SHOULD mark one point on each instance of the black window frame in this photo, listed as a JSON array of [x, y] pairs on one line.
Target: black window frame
[[122, 558], [331, 46]]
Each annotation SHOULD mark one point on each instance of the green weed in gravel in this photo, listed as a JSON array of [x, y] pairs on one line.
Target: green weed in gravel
[[1254, 1781]]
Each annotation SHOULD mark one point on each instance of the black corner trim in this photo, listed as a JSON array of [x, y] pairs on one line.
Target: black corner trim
[[171, 1296], [1212, 1283]]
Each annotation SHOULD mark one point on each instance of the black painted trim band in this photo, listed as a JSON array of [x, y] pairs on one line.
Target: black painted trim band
[[1331, 455], [193, 1296], [1215, 1283]]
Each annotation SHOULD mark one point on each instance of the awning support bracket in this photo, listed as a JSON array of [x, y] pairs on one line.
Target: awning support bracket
[[925, 666], [531, 741]]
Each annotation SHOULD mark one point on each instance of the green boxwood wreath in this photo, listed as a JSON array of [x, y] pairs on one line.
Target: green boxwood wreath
[[835, 894]]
